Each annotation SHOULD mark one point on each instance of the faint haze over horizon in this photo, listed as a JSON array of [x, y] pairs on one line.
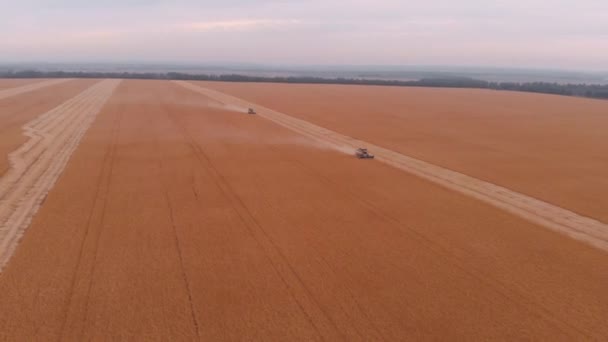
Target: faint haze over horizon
[[555, 34]]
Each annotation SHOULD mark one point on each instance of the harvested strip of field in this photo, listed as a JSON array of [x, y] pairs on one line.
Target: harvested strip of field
[[37, 164], [553, 217], [18, 110], [28, 87], [16, 82]]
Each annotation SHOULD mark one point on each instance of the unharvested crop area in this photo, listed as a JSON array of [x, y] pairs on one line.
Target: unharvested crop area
[[180, 218]]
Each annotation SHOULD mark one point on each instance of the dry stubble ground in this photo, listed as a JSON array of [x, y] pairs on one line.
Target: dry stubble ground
[[197, 222]]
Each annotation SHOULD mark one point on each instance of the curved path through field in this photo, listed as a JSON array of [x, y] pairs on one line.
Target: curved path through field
[[553, 217]]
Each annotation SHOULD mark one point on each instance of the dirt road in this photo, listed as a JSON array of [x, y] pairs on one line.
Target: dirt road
[[193, 222]]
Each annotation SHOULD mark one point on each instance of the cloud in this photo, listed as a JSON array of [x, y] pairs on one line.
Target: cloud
[[238, 25], [506, 33]]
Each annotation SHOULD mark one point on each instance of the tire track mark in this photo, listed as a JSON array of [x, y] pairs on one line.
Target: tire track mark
[[352, 312], [178, 247], [448, 257], [564, 221], [96, 214], [317, 316]]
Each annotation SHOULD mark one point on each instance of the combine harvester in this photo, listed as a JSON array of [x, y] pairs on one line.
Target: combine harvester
[[362, 153]]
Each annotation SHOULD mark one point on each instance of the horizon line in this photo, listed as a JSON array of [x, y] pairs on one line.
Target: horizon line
[[285, 66]]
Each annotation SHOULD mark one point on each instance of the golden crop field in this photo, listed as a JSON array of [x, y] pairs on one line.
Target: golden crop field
[[161, 210]]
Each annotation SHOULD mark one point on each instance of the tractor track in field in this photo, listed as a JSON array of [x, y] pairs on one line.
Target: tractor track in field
[[564, 221], [37, 164], [374, 333], [10, 92], [174, 229], [322, 322], [92, 232]]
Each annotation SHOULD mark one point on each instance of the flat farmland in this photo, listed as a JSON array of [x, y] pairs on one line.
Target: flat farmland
[[178, 217], [549, 147], [11, 83]]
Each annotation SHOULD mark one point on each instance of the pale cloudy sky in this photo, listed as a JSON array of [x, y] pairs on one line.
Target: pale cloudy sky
[[521, 33]]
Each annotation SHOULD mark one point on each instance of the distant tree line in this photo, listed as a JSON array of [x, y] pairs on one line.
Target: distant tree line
[[582, 90]]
